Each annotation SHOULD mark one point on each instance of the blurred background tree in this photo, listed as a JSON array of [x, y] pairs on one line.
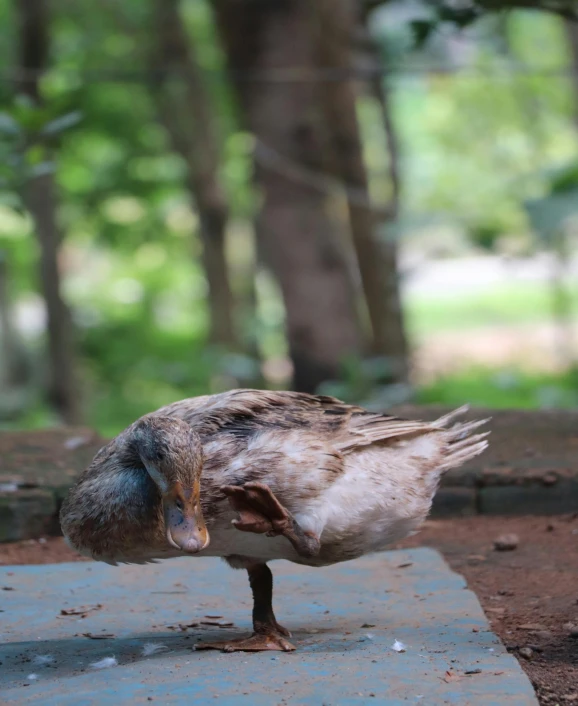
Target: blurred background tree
[[373, 199]]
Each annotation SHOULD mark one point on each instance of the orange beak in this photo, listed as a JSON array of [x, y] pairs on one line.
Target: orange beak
[[184, 521]]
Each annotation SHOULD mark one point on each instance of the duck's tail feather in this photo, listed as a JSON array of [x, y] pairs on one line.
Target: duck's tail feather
[[462, 445]]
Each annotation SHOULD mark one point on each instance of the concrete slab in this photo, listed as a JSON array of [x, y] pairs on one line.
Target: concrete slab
[[344, 620]]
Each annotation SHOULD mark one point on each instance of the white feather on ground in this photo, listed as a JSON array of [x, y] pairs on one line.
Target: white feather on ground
[[151, 648], [32, 677], [105, 663], [43, 659]]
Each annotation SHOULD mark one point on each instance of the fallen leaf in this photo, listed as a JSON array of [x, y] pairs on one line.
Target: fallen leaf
[[214, 617], [450, 676], [182, 626], [473, 671], [404, 566], [367, 625], [82, 610], [8, 588], [218, 623], [99, 636]]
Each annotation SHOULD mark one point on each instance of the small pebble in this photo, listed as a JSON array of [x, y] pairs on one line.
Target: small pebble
[[544, 634], [506, 542], [526, 653]]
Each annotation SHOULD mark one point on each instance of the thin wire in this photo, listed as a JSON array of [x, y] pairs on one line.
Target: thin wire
[[287, 75], [273, 160]]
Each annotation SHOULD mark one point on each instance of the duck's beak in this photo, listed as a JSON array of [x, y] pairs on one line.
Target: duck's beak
[[184, 521]]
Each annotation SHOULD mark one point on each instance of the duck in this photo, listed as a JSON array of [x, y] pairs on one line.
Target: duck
[[254, 476]]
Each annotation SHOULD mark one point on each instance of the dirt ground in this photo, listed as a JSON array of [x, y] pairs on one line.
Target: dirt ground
[[530, 594]]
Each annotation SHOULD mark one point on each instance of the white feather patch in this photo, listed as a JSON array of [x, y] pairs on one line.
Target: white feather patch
[[105, 663], [43, 659], [151, 648]]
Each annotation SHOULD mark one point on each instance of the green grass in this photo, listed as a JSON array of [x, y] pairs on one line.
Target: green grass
[[515, 304], [503, 389]]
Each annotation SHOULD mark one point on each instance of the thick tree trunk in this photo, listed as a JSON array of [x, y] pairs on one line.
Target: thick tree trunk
[[335, 22], [296, 233], [186, 113], [40, 199]]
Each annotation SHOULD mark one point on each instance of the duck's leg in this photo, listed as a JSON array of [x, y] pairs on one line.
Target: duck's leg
[[267, 633], [261, 512]]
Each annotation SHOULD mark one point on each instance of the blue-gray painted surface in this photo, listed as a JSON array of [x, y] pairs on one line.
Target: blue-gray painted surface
[[344, 620]]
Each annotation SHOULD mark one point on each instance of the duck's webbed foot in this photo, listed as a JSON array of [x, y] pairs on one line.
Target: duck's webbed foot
[[260, 512], [267, 633], [258, 642]]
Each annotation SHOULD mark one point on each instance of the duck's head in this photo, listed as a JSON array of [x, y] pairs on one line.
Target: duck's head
[[173, 457]]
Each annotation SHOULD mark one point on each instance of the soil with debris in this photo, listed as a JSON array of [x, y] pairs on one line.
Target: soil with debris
[[529, 593]]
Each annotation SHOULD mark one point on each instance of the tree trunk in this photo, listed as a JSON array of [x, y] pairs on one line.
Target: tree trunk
[[380, 90], [572, 34], [185, 110], [15, 372], [335, 22], [40, 200], [296, 233]]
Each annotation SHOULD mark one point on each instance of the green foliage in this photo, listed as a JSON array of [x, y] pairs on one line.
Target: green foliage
[[478, 147], [550, 214], [505, 389], [28, 133], [520, 303], [368, 382]]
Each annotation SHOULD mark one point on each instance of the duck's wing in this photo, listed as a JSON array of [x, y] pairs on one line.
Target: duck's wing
[[455, 443], [341, 427], [246, 411]]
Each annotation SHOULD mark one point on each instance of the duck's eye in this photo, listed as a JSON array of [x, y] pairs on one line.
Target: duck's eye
[[179, 504]]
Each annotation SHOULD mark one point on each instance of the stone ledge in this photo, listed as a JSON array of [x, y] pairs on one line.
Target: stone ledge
[[531, 467], [36, 470]]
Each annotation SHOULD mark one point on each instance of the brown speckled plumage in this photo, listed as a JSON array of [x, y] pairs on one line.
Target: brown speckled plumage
[[298, 444], [252, 476]]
